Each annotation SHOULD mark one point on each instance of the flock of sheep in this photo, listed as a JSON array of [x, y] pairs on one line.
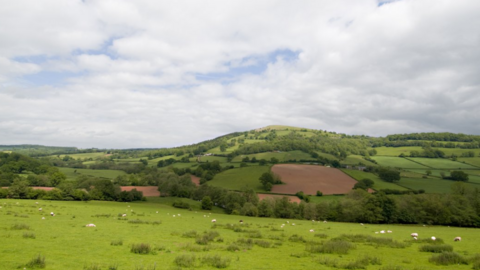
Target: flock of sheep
[[413, 235]]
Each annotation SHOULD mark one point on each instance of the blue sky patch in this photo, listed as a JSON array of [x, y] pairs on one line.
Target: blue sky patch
[[49, 78], [249, 65]]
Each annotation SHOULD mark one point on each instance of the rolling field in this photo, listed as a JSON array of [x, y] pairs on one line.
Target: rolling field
[[472, 161], [281, 156], [378, 183], [396, 151], [397, 162], [85, 155], [440, 163], [72, 173], [310, 178], [258, 243], [431, 185], [357, 159], [239, 178]]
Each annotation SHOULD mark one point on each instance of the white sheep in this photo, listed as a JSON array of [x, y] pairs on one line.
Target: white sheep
[[90, 225], [40, 209], [389, 231], [414, 234], [311, 230], [434, 238], [458, 238], [415, 237], [214, 220], [382, 231], [52, 214], [124, 215]]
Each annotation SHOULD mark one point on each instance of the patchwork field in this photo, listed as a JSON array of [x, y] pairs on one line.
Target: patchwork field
[[290, 198], [440, 163], [397, 162], [148, 191], [378, 183], [240, 178], [182, 239], [431, 185], [310, 178]]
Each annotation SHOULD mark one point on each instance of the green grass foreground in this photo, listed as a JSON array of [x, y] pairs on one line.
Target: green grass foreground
[[157, 236]]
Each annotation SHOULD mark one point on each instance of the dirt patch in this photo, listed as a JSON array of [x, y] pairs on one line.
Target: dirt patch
[[44, 188], [310, 178], [195, 179], [148, 191], [290, 198]]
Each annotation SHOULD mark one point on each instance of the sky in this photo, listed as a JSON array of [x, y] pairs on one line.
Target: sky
[[147, 74]]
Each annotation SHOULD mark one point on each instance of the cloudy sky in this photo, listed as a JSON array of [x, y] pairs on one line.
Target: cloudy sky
[[125, 74]]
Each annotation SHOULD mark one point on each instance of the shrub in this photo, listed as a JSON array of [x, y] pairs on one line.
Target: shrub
[[190, 234], [20, 226], [37, 262], [447, 258], [331, 247], [141, 248], [180, 204], [216, 261], [321, 235], [185, 260], [118, 242], [296, 238], [29, 235], [436, 248], [263, 243]]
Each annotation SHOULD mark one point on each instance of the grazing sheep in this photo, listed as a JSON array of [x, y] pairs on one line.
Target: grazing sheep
[[36, 202], [293, 224], [389, 231], [324, 221], [458, 238], [415, 237], [124, 215], [40, 209], [414, 234], [382, 231], [90, 225], [361, 224], [43, 217], [173, 215], [434, 238], [311, 230], [157, 212], [241, 221], [52, 214], [376, 232], [214, 220], [178, 215]]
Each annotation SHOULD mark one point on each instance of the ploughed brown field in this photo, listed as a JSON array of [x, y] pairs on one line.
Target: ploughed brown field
[[148, 191], [195, 179], [310, 178], [290, 198]]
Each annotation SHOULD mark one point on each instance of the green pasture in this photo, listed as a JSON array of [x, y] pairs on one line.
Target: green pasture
[[212, 158], [72, 173], [457, 151], [66, 243], [397, 162], [378, 183], [431, 185], [396, 151], [356, 160], [475, 161], [239, 178], [281, 156], [440, 163]]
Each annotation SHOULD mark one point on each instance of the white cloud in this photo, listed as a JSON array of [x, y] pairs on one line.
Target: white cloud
[[153, 74]]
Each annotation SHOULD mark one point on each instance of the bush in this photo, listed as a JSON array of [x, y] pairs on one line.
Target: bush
[[180, 204], [185, 260], [331, 247], [141, 248], [29, 235], [448, 258], [37, 262], [216, 261], [20, 226], [190, 234], [319, 193], [436, 248]]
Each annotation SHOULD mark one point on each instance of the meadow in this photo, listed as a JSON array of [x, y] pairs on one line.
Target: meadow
[[397, 162], [440, 163], [431, 185], [157, 236], [378, 183], [240, 178]]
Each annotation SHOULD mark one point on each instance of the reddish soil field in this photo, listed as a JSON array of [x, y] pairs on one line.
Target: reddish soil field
[[195, 179], [290, 198], [148, 191], [310, 178]]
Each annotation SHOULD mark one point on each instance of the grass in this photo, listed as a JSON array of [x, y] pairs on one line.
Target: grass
[[356, 160], [378, 183], [396, 151], [440, 163], [472, 161], [397, 162], [281, 156], [430, 185], [68, 244], [239, 178]]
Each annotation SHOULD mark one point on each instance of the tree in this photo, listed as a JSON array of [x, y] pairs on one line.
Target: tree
[[364, 184], [389, 174], [207, 203], [459, 176], [268, 179]]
